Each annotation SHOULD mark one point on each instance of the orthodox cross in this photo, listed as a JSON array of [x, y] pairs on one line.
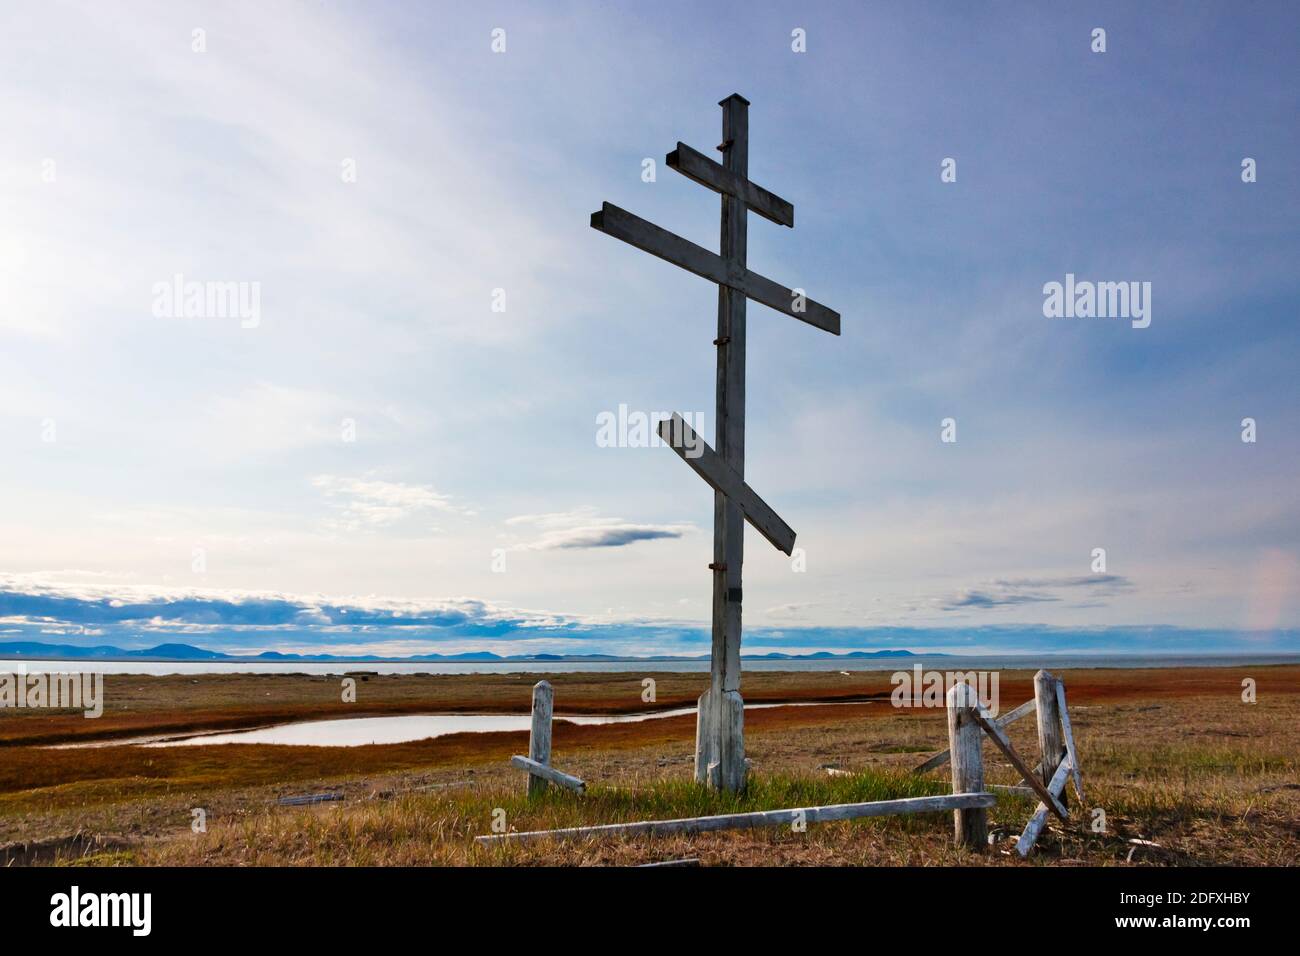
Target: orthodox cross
[[719, 729]]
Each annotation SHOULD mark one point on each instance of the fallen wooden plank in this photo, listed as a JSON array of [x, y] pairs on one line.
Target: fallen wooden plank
[[549, 773], [708, 464], [943, 756], [425, 788], [646, 236], [690, 861], [991, 728], [695, 166], [307, 799], [1035, 825], [761, 818], [1069, 740]]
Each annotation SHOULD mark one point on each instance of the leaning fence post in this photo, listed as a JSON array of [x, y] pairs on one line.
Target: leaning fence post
[[1051, 742], [539, 739], [965, 739]]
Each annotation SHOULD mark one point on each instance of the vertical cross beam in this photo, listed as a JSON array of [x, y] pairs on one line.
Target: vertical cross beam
[[720, 743]]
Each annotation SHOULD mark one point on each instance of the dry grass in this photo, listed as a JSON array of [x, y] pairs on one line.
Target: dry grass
[[1184, 764]]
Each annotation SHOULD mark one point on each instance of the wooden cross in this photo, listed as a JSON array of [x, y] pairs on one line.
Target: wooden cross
[[719, 734]]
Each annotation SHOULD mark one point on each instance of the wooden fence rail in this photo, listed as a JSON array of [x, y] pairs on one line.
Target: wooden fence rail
[[941, 758], [549, 773], [761, 818]]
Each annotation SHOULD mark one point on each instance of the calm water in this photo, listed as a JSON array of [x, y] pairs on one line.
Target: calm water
[[360, 731], [963, 662]]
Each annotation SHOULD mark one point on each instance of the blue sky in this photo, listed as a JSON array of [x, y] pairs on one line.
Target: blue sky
[[197, 472]]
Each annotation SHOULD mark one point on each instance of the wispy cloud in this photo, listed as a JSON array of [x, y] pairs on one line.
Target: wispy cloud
[[1112, 582], [584, 529], [977, 599], [372, 503], [1014, 592]]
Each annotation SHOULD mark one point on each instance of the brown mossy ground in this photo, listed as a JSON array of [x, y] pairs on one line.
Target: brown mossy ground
[[1174, 757]]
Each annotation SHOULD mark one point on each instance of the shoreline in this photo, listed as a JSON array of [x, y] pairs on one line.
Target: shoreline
[[649, 666]]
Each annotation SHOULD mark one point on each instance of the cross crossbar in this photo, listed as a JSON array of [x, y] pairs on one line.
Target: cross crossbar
[[709, 465], [699, 168], [646, 236]]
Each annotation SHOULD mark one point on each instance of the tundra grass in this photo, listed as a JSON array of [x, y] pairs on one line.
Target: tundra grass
[[1181, 772]]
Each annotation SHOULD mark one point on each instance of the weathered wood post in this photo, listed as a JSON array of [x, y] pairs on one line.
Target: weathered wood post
[[1051, 742], [965, 743], [539, 738], [728, 736]]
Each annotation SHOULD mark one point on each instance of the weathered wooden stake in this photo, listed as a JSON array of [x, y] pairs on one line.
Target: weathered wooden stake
[[965, 739], [539, 738], [1050, 740], [1056, 787], [1070, 752]]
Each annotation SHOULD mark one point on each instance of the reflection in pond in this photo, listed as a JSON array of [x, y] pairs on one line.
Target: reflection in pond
[[359, 731]]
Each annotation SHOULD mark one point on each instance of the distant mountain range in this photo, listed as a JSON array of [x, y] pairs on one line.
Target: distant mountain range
[[36, 650]]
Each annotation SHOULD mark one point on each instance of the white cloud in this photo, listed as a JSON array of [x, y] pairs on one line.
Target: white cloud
[[372, 503], [583, 528]]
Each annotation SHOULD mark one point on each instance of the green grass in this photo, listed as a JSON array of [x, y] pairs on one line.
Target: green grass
[[667, 800]]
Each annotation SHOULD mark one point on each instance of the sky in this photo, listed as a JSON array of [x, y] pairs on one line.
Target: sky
[[391, 443]]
